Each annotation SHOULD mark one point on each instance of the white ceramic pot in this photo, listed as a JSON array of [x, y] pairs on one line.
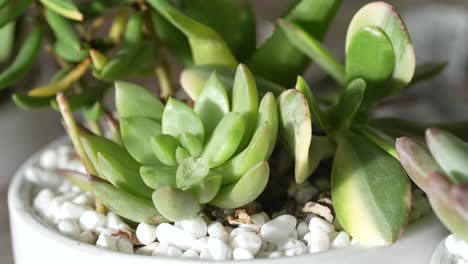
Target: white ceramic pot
[[34, 240]]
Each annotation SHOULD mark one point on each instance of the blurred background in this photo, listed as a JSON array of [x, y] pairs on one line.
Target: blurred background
[[439, 30]]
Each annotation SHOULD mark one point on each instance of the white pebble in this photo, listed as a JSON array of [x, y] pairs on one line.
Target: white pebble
[[341, 240], [205, 254], [195, 226], [278, 229], [147, 250], [54, 211], [191, 253], [70, 210], [259, 219], [114, 221], [83, 199], [107, 241], [174, 236], [216, 229], [174, 251], [49, 159], [318, 240], [242, 254], [275, 254], [247, 240], [161, 249], [457, 246], [321, 223], [302, 229], [92, 220], [69, 227], [200, 244], [218, 249], [124, 245], [239, 230], [146, 233], [43, 200], [88, 237]]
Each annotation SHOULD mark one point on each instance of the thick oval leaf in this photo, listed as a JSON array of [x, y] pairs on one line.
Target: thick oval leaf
[[134, 30], [225, 139], [256, 152], [181, 154], [370, 56], [123, 172], [132, 100], [174, 204], [136, 135], [66, 8], [207, 189], [370, 190], [63, 30], [92, 145], [191, 172], [318, 115], [450, 152], [207, 46], [383, 16], [191, 143], [350, 103], [296, 125], [127, 205], [68, 53], [246, 190], [320, 148], [164, 147], [416, 160], [194, 78], [158, 176], [179, 118], [268, 113], [212, 104]]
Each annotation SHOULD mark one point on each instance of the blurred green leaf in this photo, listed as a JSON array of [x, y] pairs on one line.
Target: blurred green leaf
[[427, 71], [350, 103], [132, 100], [66, 8], [12, 10], [29, 102], [63, 30], [93, 112], [7, 40]]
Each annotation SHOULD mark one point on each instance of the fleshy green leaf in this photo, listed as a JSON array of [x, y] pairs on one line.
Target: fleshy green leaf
[[318, 115], [427, 71], [191, 172], [416, 160], [181, 154], [63, 30], [370, 190], [158, 176], [164, 147], [191, 143], [320, 148], [29, 102], [12, 10], [212, 104], [296, 125], [127, 205], [205, 191], [370, 56], [246, 190], [383, 16], [450, 152], [179, 118], [66, 8], [174, 204], [134, 101], [7, 39], [136, 135], [225, 139], [268, 113], [93, 112], [350, 103]]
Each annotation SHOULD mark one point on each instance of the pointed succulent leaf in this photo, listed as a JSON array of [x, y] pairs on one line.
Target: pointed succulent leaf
[[181, 154], [136, 135], [296, 125], [30, 102], [12, 10], [7, 38], [132, 100], [179, 118], [212, 104], [93, 112], [156, 177], [207, 46], [205, 191], [314, 50], [416, 160], [134, 29], [127, 205], [383, 16], [320, 148], [447, 205], [450, 152], [66, 8], [278, 59], [370, 191], [350, 103], [92, 145], [246, 190], [256, 152], [164, 147], [268, 112], [98, 59], [191, 171], [63, 30], [427, 71], [194, 78], [225, 140], [175, 204], [318, 115], [191, 143], [370, 56], [123, 172], [81, 180]]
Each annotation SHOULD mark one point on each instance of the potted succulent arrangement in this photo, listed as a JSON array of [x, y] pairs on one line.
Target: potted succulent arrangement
[[225, 173]]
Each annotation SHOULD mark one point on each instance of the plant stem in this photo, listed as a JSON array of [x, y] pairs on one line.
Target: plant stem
[[164, 78]]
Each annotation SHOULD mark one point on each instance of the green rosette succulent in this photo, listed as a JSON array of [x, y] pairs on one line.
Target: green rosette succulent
[[440, 169], [181, 158]]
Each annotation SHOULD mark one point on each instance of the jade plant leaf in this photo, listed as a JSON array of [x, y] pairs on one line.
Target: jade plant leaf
[[370, 190], [127, 205], [191, 143], [136, 135], [383, 16], [350, 103], [314, 50], [207, 46], [179, 118], [416, 160], [427, 71], [194, 78], [268, 113], [191, 172], [175, 204], [132, 100], [370, 56], [318, 115], [156, 177], [296, 125], [212, 104], [164, 147], [450, 152], [244, 191], [278, 59], [320, 148], [205, 191]]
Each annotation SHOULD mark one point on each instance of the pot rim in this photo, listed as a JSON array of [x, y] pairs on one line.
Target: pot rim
[[20, 203]]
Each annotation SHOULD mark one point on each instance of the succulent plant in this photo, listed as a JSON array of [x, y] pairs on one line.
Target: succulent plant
[[440, 169]]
